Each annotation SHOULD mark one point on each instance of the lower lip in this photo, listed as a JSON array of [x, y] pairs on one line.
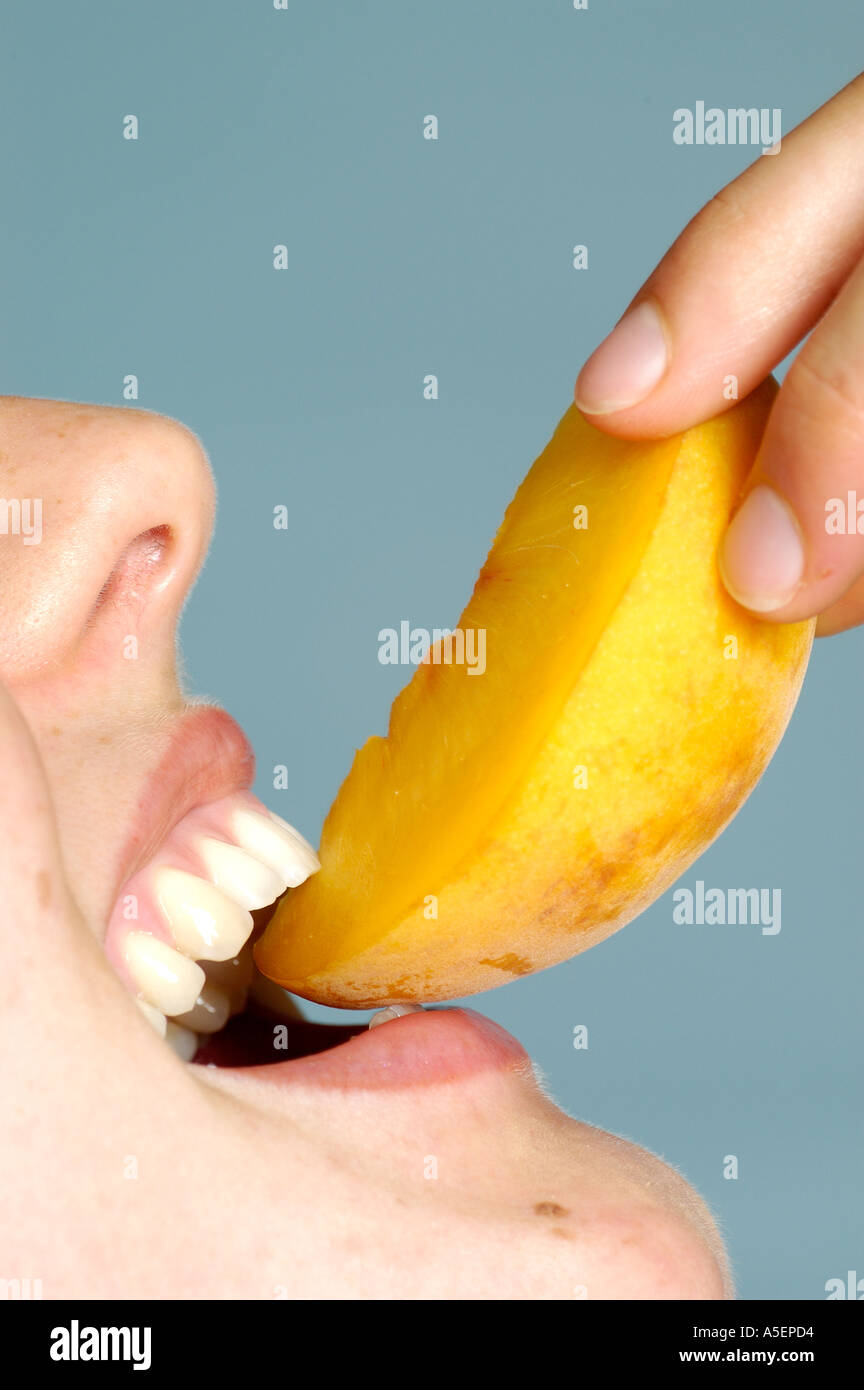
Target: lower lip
[[423, 1049]]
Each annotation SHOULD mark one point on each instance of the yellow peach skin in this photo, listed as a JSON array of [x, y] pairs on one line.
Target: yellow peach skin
[[513, 818]]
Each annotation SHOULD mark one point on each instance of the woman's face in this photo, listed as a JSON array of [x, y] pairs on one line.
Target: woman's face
[[417, 1160]]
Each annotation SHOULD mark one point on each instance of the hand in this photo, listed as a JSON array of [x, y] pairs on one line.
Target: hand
[[775, 254]]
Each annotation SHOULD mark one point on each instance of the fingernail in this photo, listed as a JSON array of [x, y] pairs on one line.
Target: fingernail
[[626, 366], [762, 557]]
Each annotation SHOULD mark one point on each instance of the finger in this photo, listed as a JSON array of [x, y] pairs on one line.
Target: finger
[[796, 544], [741, 286], [845, 613]]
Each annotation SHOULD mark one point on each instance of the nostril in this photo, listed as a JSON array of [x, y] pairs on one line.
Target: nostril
[[136, 568]]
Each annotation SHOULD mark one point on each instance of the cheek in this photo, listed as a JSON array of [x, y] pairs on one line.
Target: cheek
[[91, 774]]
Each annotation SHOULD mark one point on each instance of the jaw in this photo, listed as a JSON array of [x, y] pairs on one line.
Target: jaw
[[538, 1204]]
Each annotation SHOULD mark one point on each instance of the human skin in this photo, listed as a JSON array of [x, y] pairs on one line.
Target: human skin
[[308, 1189], [774, 255], [126, 1172]]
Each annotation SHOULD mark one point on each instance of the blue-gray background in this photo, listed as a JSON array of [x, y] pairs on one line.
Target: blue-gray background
[[303, 126]]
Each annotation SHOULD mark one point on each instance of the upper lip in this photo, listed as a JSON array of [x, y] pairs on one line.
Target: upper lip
[[207, 756]]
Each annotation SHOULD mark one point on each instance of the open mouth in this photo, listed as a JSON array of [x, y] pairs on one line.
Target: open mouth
[[198, 882], [261, 1036], [181, 934]]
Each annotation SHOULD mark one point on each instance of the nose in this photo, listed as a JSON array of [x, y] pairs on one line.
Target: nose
[[114, 511]]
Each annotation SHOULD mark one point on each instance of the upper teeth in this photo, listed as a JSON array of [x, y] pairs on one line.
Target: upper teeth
[[210, 1012], [277, 844], [242, 877], [166, 979], [181, 1040], [207, 918], [153, 1016], [205, 923]]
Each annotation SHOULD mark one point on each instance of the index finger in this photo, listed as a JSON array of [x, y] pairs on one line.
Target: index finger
[[746, 279]]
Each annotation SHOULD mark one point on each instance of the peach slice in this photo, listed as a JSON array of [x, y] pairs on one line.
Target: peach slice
[[511, 819]]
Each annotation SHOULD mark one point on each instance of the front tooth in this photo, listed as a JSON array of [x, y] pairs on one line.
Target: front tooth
[[296, 836], [210, 1012], [153, 1016], [234, 976], [245, 879], [276, 844], [182, 1041], [204, 923], [167, 981], [394, 1011]]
